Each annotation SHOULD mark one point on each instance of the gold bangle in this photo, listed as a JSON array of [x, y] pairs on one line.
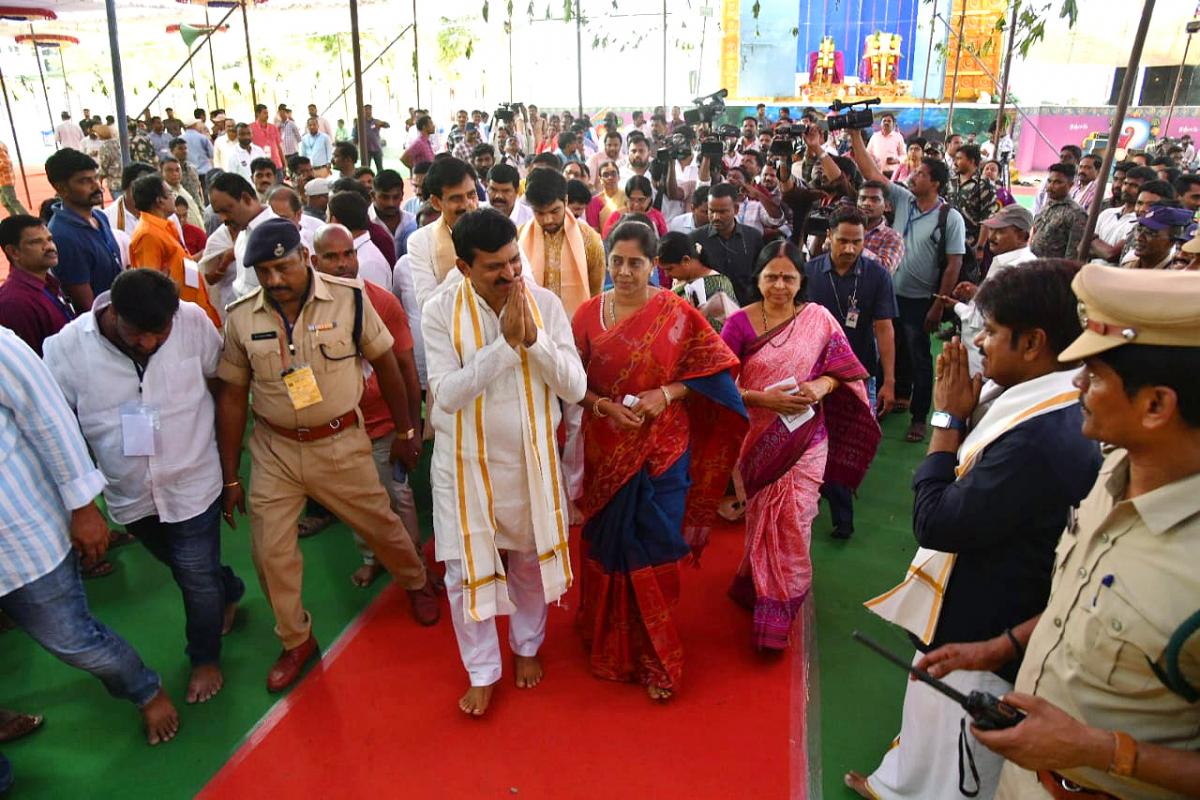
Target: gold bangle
[[596, 406], [666, 394], [409, 434], [231, 484]]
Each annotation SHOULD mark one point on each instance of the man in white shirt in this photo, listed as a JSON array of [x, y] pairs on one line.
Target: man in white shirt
[[146, 411], [224, 145], [123, 216], [68, 133], [450, 185], [887, 145], [350, 209], [240, 159], [284, 201], [1114, 225], [499, 383], [697, 217], [236, 203]]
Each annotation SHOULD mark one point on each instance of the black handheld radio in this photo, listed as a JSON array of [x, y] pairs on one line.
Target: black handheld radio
[[988, 711]]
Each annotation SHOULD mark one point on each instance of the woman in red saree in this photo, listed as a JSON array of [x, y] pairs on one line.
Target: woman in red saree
[[795, 360], [662, 428]]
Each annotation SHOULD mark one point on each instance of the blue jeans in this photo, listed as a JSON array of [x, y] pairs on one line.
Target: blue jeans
[[914, 359], [192, 549], [53, 610], [6, 774], [839, 497]]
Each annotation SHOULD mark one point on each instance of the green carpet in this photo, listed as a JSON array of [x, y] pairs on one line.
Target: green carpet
[[93, 746], [860, 693]]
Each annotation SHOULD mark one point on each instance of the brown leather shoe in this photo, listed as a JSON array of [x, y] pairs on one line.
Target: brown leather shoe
[[290, 664], [425, 604]]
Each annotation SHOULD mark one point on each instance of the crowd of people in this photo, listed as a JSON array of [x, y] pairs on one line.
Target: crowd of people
[[638, 327]]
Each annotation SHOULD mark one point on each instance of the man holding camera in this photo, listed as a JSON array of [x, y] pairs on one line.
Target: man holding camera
[[934, 243]]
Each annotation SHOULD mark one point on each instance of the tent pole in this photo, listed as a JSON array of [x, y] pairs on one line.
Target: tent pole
[[416, 55], [212, 62], [16, 142], [1178, 81], [962, 21], [928, 61], [366, 69], [37, 56], [1114, 132], [66, 86], [114, 48], [1012, 40], [664, 75], [360, 110], [579, 54], [207, 36], [249, 55]]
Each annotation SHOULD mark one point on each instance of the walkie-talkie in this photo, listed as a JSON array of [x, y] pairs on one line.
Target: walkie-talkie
[[988, 711]]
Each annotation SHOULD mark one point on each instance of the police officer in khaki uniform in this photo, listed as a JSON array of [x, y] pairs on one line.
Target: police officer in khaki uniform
[[1110, 679], [295, 346]]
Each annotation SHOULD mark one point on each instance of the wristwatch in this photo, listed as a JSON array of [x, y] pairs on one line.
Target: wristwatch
[[943, 419], [408, 434]]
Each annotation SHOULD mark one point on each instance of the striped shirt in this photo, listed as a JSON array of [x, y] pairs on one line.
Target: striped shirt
[[45, 469]]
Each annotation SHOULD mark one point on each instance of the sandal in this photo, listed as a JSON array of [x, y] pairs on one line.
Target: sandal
[[311, 526], [15, 725], [916, 433]]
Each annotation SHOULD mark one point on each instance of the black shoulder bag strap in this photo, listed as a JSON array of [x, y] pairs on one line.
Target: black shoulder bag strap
[[943, 215], [358, 315]]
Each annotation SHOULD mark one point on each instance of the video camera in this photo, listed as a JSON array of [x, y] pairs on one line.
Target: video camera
[[507, 111], [852, 120], [707, 108], [783, 144]]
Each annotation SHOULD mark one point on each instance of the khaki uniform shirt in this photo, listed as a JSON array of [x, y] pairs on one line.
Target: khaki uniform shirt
[[1126, 577], [256, 351]]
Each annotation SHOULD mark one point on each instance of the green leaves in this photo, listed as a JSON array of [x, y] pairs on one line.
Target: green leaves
[[484, 11]]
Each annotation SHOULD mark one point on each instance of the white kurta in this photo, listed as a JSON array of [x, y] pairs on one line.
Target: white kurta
[[495, 368], [238, 280]]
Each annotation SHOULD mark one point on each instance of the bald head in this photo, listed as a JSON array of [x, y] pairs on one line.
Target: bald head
[[333, 251], [285, 202]]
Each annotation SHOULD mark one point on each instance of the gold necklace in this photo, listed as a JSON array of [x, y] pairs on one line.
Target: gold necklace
[[612, 303]]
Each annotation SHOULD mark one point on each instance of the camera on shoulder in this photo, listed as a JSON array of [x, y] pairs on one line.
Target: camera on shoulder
[[852, 119]]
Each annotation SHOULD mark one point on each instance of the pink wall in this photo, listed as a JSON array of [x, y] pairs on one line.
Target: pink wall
[[1073, 125]]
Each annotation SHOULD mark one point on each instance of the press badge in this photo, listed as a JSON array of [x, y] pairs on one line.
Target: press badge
[[852, 318], [191, 274], [302, 387], [139, 429]]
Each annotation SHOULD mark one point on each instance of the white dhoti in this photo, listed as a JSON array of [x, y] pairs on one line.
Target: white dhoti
[[931, 762], [478, 642]]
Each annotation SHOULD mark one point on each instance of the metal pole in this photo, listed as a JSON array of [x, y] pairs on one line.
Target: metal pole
[[16, 142], [66, 86], [249, 55], [114, 48], [928, 62], [188, 60], [510, 61], [1178, 82], [37, 56], [664, 56], [962, 21], [579, 54], [212, 62], [366, 69], [358, 85], [195, 91], [416, 55], [1012, 40], [1118, 120], [700, 65], [995, 82]]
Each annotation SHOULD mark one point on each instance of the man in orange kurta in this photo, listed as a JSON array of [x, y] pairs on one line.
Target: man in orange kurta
[[156, 244]]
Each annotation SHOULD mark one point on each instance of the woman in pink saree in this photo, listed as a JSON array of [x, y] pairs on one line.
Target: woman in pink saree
[[795, 360]]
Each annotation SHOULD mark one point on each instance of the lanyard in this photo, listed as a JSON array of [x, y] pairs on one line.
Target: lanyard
[[59, 304], [911, 219], [851, 301], [288, 330], [139, 369]]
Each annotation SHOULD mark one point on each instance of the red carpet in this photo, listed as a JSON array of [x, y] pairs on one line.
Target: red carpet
[[379, 717]]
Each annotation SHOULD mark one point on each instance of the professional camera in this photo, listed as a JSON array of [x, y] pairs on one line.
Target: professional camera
[[851, 120], [507, 111], [707, 108], [784, 142]]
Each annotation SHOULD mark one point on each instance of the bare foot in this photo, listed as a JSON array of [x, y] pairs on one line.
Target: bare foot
[[476, 700], [529, 671], [161, 719], [659, 694], [365, 575], [858, 782], [205, 682], [229, 618]]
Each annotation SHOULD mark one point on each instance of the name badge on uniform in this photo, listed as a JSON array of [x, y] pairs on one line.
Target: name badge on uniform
[[139, 429], [852, 318], [302, 387]]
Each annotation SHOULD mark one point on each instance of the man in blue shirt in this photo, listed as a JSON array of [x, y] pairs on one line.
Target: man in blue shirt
[[858, 292], [934, 243], [316, 146], [199, 151], [88, 257]]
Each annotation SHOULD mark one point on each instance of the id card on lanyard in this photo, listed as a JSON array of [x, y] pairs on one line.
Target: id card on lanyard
[[299, 379]]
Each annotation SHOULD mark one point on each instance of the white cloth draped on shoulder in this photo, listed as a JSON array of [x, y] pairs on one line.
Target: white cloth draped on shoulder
[[916, 603]]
